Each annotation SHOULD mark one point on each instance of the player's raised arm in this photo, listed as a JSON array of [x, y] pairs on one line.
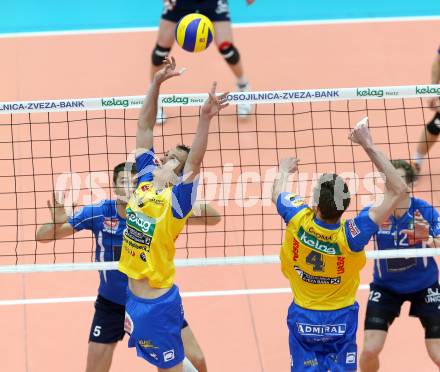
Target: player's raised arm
[[59, 227], [147, 116], [211, 107], [204, 214], [287, 166], [395, 186]]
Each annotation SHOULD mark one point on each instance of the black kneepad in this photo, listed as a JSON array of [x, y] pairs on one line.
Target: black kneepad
[[229, 53], [433, 126], [376, 323], [159, 54]]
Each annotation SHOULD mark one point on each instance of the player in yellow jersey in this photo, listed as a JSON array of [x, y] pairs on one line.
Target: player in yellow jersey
[[156, 214], [322, 255]]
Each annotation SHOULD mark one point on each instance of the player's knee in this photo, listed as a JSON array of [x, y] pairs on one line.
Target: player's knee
[[433, 126], [159, 54], [229, 52], [199, 362], [99, 354], [374, 342]]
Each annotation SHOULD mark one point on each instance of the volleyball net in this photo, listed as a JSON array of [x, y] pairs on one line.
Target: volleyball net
[[72, 146]]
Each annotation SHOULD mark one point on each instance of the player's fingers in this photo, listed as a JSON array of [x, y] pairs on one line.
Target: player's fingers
[[223, 105], [49, 205], [214, 87]]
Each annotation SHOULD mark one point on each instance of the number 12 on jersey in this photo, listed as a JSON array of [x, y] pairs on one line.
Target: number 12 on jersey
[[316, 260]]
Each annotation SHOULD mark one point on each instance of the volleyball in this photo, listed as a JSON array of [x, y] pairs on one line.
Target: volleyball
[[194, 32]]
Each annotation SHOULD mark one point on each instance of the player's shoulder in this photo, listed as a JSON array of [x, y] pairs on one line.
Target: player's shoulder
[[421, 205], [100, 208]]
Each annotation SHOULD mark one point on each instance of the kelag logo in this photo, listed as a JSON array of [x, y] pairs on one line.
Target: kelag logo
[[174, 99], [427, 90], [113, 102], [318, 245], [369, 92]]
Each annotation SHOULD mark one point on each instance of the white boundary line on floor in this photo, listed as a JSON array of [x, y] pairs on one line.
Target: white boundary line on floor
[[233, 292], [236, 25]]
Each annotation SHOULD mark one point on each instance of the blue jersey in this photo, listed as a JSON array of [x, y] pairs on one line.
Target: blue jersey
[[107, 227], [405, 275]]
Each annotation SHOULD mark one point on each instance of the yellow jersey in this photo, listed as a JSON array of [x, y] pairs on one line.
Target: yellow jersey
[[148, 243], [316, 257]]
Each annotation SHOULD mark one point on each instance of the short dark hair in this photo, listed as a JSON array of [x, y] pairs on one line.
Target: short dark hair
[[410, 173], [332, 196], [121, 168], [184, 148]]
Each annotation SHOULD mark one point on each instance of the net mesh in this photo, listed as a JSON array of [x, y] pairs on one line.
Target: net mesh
[[74, 152]]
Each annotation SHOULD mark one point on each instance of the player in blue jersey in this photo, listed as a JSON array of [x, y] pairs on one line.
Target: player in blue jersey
[[415, 224], [107, 221]]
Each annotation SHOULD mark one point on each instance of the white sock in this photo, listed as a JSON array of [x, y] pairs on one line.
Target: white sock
[[418, 158], [187, 366], [242, 82]]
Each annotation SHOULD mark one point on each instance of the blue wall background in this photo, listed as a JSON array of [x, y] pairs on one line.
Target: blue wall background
[[53, 15]]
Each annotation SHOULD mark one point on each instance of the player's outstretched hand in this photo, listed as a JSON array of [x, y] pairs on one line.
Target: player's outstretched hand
[[250, 2], [214, 104], [289, 165], [361, 135], [420, 232], [168, 70], [57, 210]]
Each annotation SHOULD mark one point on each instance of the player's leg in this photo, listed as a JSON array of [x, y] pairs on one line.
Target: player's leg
[[178, 368], [193, 350], [382, 308], [164, 43], [374, 341], [99, 357], [433, 348], [106, 330], [225, 43], [427, 139], [426, 306], [165, 40]]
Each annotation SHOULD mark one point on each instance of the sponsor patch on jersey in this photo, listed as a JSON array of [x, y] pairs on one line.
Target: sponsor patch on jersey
[[110, 225], [317, 279], [321, 329], [143, 257], [354, 231], [146, 187], [316, 244]]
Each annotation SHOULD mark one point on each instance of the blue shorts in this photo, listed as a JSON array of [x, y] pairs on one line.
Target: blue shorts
[[155, 328], [323, 340]]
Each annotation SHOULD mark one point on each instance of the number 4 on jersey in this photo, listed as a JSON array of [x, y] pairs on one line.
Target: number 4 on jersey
[[316, 260]]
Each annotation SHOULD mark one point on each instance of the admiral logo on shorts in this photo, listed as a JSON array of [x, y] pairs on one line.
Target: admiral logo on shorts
[[321, 329], [168, 355]]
